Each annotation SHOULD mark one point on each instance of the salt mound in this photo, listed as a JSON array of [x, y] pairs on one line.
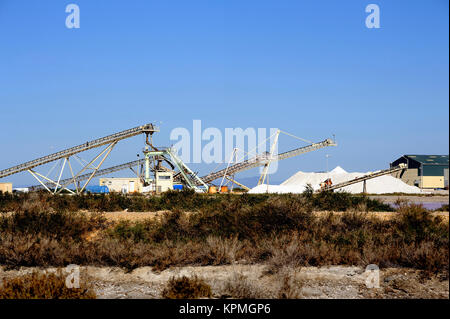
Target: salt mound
[[277, 189], [298, 182], [338, 170]]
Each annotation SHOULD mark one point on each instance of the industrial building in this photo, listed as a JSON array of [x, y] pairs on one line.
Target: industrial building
[[424, 171], [6, 187], [163, 182], [122, 185]]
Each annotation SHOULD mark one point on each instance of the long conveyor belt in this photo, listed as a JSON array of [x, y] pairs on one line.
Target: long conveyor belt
[[147, 128], [239, 167], [364, 178], [261, 160]]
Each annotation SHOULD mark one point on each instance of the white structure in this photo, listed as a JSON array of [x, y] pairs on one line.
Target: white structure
[[378, 185], [122, 185], [164, 181]]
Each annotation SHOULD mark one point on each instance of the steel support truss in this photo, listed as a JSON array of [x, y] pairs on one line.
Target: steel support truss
[[58, 187]]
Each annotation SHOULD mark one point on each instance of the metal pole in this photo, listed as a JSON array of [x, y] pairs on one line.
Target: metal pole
[[147, 168], [60, 173], [262, 178], [73, 177]]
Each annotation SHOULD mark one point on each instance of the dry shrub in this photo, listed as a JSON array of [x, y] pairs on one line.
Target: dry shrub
[[33, 250], [415, 223], [240, 287], [186, 200], [279, 230], [285, 251], [186, 288], [35, 203], [59, 225], [223, 250], [42, 286], [289, 285]]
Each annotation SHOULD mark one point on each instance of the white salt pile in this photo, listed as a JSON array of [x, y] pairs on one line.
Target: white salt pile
[[378, 185]]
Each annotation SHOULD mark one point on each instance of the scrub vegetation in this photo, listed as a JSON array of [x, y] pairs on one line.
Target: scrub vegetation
[[278, 230], [186, 200], [42, 286]]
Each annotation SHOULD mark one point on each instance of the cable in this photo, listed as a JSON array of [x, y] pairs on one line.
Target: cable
[[299, 138]]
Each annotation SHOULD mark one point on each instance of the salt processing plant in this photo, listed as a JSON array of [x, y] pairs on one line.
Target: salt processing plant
[[162, 169]]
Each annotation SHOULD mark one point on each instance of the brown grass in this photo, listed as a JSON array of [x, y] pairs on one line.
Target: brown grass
[[238, 286], [186, 288], [42, 286], [279, 231]]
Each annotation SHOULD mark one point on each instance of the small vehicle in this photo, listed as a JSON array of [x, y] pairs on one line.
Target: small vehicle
[[326, 183]]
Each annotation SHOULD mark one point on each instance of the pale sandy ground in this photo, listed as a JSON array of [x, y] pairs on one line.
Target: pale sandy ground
[[132, 216], [335, 282]]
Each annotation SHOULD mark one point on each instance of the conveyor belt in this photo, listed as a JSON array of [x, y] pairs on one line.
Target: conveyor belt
[[402, 166], [147, 128], [261, 160], [101, 172]]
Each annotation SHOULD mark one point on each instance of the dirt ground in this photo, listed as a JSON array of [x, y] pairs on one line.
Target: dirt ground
[[335, 282], [132, 216]]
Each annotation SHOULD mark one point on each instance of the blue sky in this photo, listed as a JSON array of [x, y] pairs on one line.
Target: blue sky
[[311, 68]]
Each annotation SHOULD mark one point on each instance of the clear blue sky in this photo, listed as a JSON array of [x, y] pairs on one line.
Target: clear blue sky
[[311, 68]]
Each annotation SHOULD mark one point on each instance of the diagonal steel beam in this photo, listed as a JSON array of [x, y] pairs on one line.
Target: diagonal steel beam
[[84, 168], [60, 173], [34, 173], [100, 164]]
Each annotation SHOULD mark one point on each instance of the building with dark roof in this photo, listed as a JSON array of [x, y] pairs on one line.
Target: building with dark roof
[[424, 171]]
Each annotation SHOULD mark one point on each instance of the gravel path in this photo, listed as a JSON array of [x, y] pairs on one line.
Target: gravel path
[[334, 282]]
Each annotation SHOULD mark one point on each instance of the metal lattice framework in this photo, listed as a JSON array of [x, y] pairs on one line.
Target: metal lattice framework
[[263, 159], [193, 178], [57, 186]]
